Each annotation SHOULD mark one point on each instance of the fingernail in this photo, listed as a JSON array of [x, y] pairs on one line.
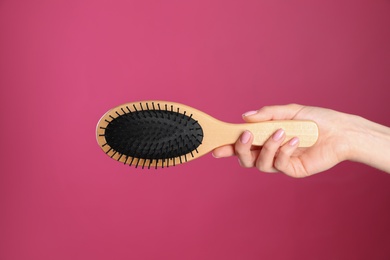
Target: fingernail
[[293, 141], [214, 155], [245, 137], [249, 113], [278, 135]]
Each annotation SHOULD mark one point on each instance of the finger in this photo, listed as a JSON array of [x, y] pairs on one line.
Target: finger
[[243, 150], [265, 161], [223, 151], [284, 163], [272, 113]]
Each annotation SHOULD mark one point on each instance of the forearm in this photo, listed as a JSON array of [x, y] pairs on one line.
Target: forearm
[[370, 143]]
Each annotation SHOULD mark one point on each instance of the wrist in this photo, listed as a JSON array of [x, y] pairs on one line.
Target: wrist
[[369, 143]]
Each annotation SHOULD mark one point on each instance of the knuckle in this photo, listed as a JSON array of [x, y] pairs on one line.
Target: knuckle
[[280, 165], [239, 148], [282, 159], [244, 163], [241, 151], [283, 153], [262, 166], [269, 147], [264, 109], [294, 106], [266, 148]]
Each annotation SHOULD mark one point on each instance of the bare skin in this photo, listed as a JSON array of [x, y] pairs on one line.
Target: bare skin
[[341, 137]]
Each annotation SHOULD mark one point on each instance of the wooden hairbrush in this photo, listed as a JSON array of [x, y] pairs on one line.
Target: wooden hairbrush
[[162, 134]]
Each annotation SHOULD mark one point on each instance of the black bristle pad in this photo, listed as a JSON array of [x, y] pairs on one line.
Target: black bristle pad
[[154, 134]]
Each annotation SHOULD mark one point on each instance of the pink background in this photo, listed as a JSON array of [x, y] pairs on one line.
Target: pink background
[[65, 63]]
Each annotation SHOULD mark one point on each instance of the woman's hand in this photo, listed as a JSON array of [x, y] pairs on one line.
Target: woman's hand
[[340, 138]]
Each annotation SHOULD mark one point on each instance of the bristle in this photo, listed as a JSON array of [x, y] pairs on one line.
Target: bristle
[[174, 161], [131, 162], [136, 166]]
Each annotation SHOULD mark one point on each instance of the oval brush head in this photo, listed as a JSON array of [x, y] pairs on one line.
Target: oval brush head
[[160, 133], [153, 134]]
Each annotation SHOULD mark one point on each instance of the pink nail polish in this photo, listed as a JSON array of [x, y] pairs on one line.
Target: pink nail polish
[[294, 141], [249, 113], [278, 135], [245, 137]]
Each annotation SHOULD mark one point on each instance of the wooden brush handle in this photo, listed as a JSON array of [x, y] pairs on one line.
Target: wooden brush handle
[[226, 133], [306, 131]]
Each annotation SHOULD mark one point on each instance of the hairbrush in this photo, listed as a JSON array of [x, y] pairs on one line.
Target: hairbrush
[[162, 134]]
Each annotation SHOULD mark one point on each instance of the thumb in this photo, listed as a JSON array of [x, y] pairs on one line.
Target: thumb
[[283, 112]]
